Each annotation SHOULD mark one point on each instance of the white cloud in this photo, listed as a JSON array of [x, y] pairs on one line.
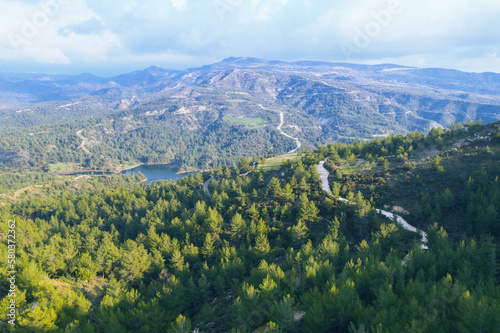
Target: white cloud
[[453, 33], [264, 10], [194, 39], [487, 63], [34, 33], [47, 55], [25, 35], [179, 4], [90, 47]]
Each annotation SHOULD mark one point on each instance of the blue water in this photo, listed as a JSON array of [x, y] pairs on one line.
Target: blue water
[[157, 172]]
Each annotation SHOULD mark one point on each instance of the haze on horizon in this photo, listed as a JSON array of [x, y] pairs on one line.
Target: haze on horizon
[[112, 37]]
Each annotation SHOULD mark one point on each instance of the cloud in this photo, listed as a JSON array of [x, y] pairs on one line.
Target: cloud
[[179, 4], [55, 34], [92, 26], [265, 10], [482, 64], [456, 33]]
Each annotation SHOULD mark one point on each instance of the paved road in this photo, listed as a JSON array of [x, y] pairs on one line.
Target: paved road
[[282, 121], [205, 186], [246, 173], [282, 118], [326, 187]]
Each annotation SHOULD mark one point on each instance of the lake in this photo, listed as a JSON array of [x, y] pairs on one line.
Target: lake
[[156, 172]]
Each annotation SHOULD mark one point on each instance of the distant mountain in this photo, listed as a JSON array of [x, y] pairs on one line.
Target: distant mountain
[[322, 102]]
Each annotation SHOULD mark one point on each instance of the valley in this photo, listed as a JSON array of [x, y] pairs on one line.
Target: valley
[[291, 242], [317, 197], [235, 166], [214, 115]]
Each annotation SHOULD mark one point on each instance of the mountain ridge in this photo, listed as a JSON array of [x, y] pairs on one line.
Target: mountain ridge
[[239, 98]]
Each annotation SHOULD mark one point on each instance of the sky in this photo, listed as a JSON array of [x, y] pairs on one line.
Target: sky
[[109, 37]]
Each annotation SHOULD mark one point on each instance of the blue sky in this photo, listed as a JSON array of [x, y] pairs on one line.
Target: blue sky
[[107, 37]]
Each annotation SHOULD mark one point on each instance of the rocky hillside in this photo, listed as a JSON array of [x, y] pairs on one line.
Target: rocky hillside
[[332, 101]]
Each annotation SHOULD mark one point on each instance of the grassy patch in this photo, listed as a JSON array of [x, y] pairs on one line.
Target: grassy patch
[[247, 122], [349, 170], [275, 163], [62, 167], [124, 166]]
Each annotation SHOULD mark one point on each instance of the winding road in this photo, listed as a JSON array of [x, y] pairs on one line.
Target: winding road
[[205, 186], [326, 187], [246, 173], [323, 173], [299, 144], [282, 121]]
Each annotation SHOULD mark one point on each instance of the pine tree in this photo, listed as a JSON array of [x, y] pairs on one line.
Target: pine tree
[[214, 221], [208, 249], [134, 261], [274, 188], [238, 227], [336, 190], [107, 255], [385, 165], [437, 164], [253, 213], [177, 261], [351, 159], [283, 313], [262, 246], [298, 233], [181, 325], [303, 185]]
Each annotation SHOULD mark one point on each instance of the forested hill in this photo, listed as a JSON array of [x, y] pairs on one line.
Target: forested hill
[[271, 250], [214, 115]]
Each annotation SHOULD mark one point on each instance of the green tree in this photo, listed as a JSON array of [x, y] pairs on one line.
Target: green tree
[[134, 261], [214, 221], [262, 246], [181, 325], [385, 164], [437, 164], [351, 159], [244, 165], [208, 249], [274, 187], [283, 313], [298, 233], [238, 227]]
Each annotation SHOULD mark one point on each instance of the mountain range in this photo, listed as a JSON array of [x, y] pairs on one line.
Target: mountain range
[[344, 100], [216, 114]]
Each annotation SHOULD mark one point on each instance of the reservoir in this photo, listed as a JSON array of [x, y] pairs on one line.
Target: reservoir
[[156, 172]]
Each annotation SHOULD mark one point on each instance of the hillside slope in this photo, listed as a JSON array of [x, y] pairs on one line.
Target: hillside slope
[[215, 114], [412, 98], [270, 249]]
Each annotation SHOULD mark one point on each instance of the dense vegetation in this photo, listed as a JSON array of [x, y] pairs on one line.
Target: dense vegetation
[[136, 136], [271, 248], [204, 117]]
